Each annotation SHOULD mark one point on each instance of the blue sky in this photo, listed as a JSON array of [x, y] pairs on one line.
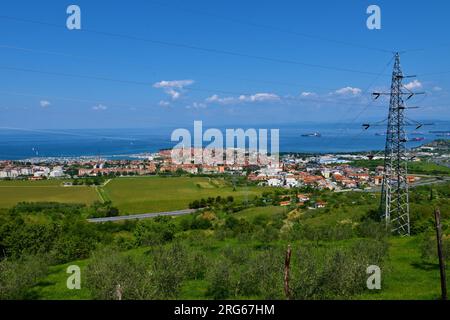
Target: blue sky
[[167, 63]]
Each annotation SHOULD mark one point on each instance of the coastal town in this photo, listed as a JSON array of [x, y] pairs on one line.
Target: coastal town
[[336, 172]]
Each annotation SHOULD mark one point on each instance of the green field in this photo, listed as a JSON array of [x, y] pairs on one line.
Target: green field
[[156, 194], [420, 167], [12, 192], [130, 195]]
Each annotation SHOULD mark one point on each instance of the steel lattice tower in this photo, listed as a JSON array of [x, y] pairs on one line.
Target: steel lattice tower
[[394, 204]]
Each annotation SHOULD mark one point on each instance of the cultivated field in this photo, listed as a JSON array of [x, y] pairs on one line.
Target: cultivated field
[[156, 194], [12, 192], [130, 195]]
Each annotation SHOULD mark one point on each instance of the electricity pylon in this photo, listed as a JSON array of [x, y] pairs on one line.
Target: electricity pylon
[[394, 205], [394, 193]]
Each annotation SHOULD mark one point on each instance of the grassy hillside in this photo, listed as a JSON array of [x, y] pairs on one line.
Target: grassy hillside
[[408, 277], [231, 250], [405, 276]]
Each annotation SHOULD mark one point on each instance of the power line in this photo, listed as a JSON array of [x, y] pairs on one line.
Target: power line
[[433, 73], [142, 83], [442, 45], [72, 56], [101, 101], [354, 137], [274, 28], [197, 48], [93, 101], [101, 78]]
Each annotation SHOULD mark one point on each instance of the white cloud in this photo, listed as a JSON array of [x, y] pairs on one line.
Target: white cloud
[[348, 91], [173, 88], [260, 97], [257, 97], [44, 103], [163, 103], [216, 99], [173, 84], [416, 84], [437, 89], [308, 94], [196, 105], [173, 93], [99, 107], [213, 98]]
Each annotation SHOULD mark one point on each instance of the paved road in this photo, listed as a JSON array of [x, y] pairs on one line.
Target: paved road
[[143, 216]]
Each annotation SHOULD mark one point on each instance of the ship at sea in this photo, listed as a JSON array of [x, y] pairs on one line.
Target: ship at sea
[[314, 134]]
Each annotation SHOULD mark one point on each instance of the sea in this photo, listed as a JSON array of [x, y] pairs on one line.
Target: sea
[[19, 144]]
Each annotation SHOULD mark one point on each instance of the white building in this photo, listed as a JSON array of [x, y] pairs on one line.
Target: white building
[[326, 173], [14, 173], [57, 172], [274, 183], [39, 174], [26, 171], [4, 174]]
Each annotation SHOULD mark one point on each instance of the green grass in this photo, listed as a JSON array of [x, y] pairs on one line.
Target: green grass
[[54, 286], [251, 213], [407, 277], [102, 194], [156, 194], [428, 168], [130, 195], [12, 192], [419, 167]]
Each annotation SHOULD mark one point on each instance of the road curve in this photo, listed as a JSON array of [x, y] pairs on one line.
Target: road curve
[[142, 216]]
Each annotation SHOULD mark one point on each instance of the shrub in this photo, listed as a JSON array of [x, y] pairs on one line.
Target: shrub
[[428, 248], [109, 269], [337, 273], [76, 241], [18, 276], [168, 269], [219, 281], [154, 231]]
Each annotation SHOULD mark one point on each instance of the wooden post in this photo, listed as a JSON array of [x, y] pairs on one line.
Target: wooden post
[[437, 217], [287, 263]]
